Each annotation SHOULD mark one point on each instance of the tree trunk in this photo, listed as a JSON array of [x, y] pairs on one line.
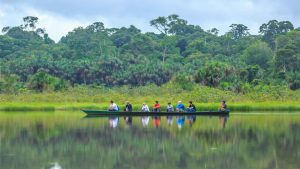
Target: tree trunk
[[164, 54]]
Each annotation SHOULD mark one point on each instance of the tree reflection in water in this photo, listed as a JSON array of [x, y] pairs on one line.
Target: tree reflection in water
[[247, 142]]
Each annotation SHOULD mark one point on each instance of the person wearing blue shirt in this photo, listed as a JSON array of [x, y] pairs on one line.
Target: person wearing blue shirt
[[180, 107]]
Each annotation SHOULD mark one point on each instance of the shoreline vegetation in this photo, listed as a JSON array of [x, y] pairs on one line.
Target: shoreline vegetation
[[241, 107], [92, 65], [98, 97]]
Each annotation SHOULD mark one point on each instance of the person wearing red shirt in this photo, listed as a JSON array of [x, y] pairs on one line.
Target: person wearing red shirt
[[156, 108]]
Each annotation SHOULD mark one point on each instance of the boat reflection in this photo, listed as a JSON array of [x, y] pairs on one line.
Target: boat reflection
[[159, 121]]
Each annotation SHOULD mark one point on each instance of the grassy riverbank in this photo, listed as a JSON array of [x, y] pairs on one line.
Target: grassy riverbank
[[205, 98], [263, 106]]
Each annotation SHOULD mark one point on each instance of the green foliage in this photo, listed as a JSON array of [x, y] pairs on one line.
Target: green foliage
[[41, 81], [274, 28], [287, 59], [184, 82], [10, 84], [238, 31], [213, 73], [294, 81], [251, 73], [258, 54], [126, 56]]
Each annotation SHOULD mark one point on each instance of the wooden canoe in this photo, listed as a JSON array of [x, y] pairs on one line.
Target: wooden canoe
[[123, 113]]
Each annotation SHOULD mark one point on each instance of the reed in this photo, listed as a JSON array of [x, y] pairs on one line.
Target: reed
[[84, 97], [234, 107]]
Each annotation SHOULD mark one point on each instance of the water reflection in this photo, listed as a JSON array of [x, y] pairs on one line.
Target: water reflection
[[170, 120], [223, 121], [114, 121], [53, 166], [128, 120], [180, 121], [31, 140], [157, 121], [145, 121], [191, 120]]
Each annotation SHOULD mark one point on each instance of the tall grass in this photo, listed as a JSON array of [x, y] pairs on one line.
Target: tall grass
[[265, 106], [83, 97]]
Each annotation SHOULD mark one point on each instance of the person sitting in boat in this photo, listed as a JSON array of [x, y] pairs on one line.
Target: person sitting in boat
[[128, 108], [170, 108], [180, 107], [223, 106], [156, 107], [145, 119], [191, 109], [113, 106], [145, 108]]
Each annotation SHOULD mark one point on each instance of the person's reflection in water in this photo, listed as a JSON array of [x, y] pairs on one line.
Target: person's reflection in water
[[53, 166], [145, 119], [180, 121], [170, 108], [128, 108], [223, 121], [156, 121], [113, 122]]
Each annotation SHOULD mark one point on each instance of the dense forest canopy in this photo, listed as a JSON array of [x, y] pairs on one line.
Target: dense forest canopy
[[180, 52]]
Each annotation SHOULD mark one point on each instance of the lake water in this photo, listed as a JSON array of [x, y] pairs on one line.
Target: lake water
[[67, 140]]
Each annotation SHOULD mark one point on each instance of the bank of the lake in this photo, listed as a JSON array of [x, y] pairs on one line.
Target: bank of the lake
[[247, 106], [97, 97]]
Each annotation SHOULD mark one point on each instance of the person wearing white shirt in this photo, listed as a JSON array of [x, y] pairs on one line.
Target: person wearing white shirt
[[145, 108], [113, 106], [145, 119]]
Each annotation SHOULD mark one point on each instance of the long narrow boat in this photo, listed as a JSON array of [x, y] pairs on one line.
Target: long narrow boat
[[122, 113]]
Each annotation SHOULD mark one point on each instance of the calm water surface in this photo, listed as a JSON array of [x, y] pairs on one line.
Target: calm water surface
[[66, 140]]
